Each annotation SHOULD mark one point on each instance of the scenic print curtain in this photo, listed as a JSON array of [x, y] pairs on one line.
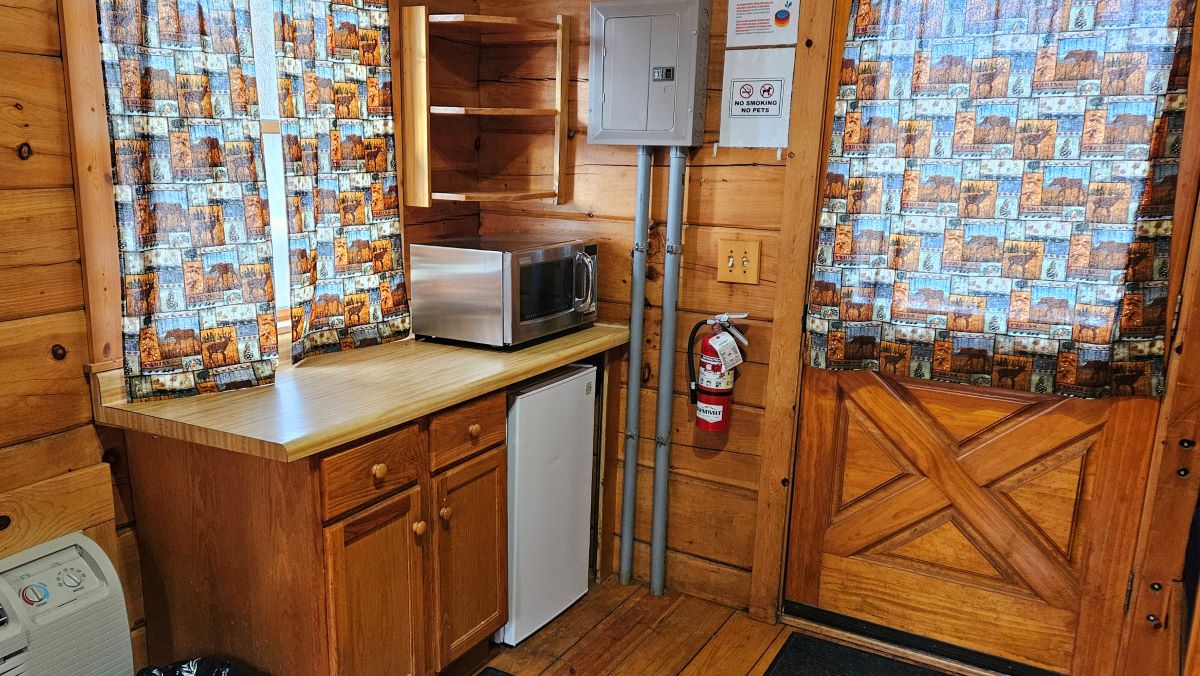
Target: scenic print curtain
[[999, 193], [343, 203], [199, 310]]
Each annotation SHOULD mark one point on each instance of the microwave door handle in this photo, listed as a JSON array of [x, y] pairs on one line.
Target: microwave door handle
[[584, 302]]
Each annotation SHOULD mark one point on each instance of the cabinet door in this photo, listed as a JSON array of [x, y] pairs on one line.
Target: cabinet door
[[470, 551], [373, 569]]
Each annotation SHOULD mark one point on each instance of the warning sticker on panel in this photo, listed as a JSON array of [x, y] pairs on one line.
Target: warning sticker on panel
[[756, 98]]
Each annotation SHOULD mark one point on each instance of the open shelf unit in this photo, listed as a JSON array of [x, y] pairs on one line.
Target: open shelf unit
[[456, 145]]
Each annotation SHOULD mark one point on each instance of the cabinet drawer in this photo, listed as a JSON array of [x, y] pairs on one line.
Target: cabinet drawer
[[466, 429], [357, 476]]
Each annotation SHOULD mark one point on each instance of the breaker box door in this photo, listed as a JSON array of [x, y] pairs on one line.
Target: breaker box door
[[649, 67]]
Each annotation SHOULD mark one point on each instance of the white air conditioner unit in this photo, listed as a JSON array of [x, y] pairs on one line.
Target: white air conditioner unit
[[62, 612]]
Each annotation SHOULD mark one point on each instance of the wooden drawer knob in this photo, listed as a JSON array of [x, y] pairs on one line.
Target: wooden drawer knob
[[420, 527], [379, 471], [446, 513], [474, 430]]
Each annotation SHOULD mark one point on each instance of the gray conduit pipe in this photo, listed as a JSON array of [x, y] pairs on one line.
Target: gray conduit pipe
[[633, 400], [666, 371]]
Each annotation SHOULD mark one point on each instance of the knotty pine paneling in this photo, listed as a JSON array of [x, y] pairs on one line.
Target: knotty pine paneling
[[743, 434], [705, 519], [729, 468], [29, 27], [39, 247], [45, 406], [732, 194], [46, 457], [693, 575], [39, 394], [33, 110], [742, 191]]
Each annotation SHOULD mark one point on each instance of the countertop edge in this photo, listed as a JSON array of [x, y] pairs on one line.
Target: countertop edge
[[365, 425], [308, 446]]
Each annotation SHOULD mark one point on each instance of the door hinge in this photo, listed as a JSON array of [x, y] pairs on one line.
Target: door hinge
[[1128, 592]]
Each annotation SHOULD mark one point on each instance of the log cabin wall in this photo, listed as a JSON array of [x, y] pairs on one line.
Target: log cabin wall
[[46, 421], [735, 194]]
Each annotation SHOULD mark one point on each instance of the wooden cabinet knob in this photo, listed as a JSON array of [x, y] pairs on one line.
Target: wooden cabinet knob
[[474, 430], [379, 471], [446, 513], [420, 527]]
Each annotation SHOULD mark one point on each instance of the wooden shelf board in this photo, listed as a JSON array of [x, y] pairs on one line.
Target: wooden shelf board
[[492, 23], [518, 37], [495, 195], [492, 112]]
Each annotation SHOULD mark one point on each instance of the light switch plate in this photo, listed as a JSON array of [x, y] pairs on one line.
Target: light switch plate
[[738, 260]]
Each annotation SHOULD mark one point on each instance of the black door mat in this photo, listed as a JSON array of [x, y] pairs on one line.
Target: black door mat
[[493, 671], [804, 655]]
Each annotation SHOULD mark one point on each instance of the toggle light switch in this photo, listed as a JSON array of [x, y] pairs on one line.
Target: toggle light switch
[[738, 260]]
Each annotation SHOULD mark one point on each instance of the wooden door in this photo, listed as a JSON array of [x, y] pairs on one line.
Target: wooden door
[[997, 521], [470, 551], [375, 589]]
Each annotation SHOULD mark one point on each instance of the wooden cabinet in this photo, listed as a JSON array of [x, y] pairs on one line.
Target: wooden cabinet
[[391, 553], [374, 563], [470, 550]]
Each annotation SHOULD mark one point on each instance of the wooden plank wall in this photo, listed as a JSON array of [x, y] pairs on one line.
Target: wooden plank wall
[[45, 399], [732, 195]]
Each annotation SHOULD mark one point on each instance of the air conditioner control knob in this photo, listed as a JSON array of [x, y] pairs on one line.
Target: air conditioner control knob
[[34, 594]]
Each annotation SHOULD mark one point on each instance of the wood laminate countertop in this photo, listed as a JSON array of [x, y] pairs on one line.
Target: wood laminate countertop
[[335, 399]]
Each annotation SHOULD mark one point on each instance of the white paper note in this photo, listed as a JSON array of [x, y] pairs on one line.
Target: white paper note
[[756, 97]]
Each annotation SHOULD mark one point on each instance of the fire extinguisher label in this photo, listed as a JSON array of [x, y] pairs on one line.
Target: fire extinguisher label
[[727, 349], [715, 380], [709, 413]]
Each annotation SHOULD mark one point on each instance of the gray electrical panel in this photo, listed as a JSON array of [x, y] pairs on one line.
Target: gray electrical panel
[[648, 71]]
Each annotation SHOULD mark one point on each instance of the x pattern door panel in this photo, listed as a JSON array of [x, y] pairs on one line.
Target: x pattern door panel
[[995, 521]]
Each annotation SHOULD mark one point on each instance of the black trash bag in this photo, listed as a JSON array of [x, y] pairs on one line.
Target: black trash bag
[[197, 667]]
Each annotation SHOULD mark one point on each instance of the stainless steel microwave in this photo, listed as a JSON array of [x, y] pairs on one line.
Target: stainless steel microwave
[[502, 291]]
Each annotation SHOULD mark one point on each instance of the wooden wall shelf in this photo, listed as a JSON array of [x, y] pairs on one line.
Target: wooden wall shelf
[[453, 120], [494, 196], [491, 23], [492, 112]]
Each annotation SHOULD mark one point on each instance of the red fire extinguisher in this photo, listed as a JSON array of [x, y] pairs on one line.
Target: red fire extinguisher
[[711, 389]]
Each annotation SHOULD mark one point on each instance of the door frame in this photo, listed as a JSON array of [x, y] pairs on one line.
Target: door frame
[[821, 41], [1170, 499], [1173, 487]]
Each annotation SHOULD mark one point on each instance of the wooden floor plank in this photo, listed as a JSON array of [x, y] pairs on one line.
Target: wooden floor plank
[[736, 648], [768, 657], [618, 635], [542, 649], [674, 643]]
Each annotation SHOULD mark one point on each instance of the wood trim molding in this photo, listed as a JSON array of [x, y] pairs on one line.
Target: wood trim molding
[[821, 39], [1174, 479], [91, 157]]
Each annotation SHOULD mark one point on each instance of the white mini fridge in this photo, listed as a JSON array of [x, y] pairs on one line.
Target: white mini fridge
[[551, 432]]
